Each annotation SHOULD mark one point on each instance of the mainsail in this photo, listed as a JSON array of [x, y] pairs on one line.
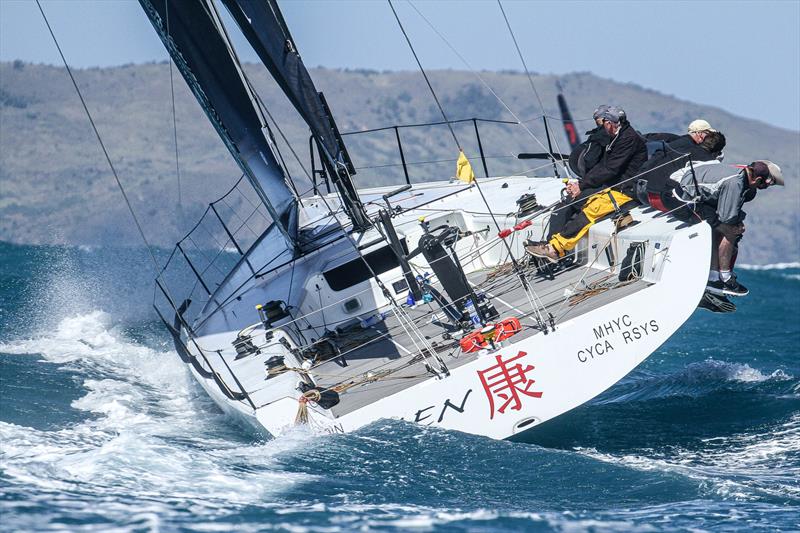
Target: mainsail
[[192, 32], [264, 27]]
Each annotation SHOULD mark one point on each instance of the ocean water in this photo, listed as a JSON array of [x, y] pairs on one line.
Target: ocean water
[[102, 429]]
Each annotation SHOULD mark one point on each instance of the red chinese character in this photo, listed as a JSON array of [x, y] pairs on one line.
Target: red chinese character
[[507, 382]]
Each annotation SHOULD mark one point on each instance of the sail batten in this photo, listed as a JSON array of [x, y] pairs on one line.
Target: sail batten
[[196, 40]]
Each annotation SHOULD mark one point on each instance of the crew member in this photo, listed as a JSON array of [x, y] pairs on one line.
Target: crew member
[[589, 152], [654, 185], [604, 189], [720, 191]]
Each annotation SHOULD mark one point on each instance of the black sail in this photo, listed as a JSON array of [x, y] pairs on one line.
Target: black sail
[[263, 25], [193, 34], [569, 125]]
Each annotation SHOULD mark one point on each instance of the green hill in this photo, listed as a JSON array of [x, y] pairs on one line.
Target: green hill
[[56, 187]]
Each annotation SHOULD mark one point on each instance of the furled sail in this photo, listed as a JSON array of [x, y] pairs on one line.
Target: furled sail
[[192, 32], [263, 25]]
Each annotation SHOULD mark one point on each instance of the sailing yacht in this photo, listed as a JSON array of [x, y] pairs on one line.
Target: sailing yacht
[[417, 302]]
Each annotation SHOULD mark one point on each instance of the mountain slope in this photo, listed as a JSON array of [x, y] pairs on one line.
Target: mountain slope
[[56, 187]]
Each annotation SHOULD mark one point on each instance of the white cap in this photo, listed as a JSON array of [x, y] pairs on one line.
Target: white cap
[[700, 125]]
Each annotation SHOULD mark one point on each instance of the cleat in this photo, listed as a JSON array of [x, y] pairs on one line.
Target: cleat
[[543, 251]]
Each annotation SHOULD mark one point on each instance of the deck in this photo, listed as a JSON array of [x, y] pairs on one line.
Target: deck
[[387, 363]]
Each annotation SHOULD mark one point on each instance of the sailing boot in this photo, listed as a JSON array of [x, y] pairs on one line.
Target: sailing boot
[[543, 250], [732, 287], [716, 304]]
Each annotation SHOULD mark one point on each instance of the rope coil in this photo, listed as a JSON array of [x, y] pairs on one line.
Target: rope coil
[[312, 395]]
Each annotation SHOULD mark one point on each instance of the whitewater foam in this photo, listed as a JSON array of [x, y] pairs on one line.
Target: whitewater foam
[[152, 433], [770, 266]]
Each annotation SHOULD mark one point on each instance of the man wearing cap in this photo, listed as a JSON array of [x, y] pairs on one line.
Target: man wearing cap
[[589, 152], [720, 191], [604, 188], [686, 143], [654, 186]]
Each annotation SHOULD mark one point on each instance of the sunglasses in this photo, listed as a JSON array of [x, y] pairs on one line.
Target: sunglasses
[[764, 182]]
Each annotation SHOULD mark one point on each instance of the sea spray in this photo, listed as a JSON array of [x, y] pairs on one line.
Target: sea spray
[[703, 435]]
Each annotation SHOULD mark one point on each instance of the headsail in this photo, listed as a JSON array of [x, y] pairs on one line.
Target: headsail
[[264, 27], [569, 125], [192, 32]]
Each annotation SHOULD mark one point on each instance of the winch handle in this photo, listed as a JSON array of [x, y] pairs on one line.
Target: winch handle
[[395, 192]]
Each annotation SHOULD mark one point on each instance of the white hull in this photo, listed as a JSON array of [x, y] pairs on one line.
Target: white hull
[[550, 373]]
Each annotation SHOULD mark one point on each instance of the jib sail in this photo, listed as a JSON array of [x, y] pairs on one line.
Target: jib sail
[[192, 32], [264, 27]]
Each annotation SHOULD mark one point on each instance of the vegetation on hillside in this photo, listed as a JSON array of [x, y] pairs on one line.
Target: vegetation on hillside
[[57, 188]]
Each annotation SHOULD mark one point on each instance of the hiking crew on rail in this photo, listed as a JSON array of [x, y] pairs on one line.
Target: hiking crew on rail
[[680, 174]]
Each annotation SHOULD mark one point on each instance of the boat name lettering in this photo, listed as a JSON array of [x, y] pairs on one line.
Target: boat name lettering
[[335, 428], [423, 414], [608, 328], [638, 331], [622, 328], [507, 382], [600, 348]]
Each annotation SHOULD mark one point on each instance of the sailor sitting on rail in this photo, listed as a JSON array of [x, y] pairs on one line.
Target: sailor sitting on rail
[[605, 188], [723, 189], [654, 186]]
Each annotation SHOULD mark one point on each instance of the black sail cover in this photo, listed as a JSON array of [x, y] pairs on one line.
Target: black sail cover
[[193, 34], [263, 25]]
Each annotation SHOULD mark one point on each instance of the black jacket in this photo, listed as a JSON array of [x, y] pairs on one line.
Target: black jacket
[[589, 152], [673, 157], [666, 137], [621, 160]]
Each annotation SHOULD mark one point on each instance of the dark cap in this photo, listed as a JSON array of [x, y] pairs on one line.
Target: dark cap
[[599, 111], [613, 114]]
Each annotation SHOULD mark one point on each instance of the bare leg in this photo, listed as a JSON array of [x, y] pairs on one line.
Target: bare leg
[[727, 249]]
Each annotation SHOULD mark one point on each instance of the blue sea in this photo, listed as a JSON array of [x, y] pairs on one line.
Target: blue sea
[[103, 429]]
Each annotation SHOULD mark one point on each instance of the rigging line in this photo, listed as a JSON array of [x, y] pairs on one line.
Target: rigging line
[[100, 140], [283, 136], [517, 269], [521, 57], [520, 122], [271, 139], [402, 318], [174, 125], [528, 74], [398, 310], [424, 75]]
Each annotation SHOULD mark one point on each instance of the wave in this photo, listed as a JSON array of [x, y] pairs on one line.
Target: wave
[[695, 379], [713, 370], [149, 421], [772, 266], [744, 466]]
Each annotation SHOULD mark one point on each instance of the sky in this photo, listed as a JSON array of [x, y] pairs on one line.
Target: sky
[[741, 56]]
